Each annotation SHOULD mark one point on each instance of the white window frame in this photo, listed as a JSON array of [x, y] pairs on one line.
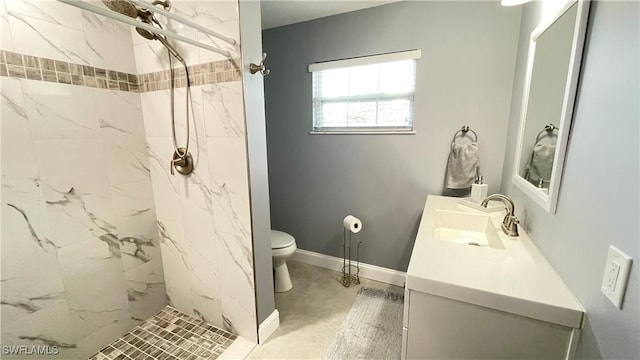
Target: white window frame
[[359, 61]]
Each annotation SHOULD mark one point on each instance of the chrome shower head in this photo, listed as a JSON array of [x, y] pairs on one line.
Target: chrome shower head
[[148, 18], [123, 7], [126, 8], [146, 33]]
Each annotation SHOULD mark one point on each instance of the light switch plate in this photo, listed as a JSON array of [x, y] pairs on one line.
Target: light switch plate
[[616, 274]]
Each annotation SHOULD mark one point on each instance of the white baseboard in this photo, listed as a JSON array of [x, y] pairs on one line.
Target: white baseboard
[[372, 272], [268, 326]]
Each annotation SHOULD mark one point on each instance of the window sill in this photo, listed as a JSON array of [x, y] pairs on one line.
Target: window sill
[[347, 132]]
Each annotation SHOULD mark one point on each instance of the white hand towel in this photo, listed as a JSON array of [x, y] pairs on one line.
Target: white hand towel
[[541, 163], [462, 166]]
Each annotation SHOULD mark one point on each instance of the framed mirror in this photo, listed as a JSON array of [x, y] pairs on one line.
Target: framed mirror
[[555, 53]]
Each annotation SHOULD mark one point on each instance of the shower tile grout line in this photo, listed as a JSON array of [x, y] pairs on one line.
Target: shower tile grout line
[[22, 66]]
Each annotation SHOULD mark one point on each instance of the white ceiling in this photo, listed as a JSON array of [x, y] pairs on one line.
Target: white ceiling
[[284, 12]]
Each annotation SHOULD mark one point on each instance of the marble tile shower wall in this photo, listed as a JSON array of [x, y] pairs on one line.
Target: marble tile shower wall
[[81, 263], [204, 219]]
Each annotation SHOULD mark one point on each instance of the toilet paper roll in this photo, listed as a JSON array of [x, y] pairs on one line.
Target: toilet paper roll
[[352, 224]]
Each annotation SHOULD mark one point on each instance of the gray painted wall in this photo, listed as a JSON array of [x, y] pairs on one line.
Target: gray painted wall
[[465, 76], [598, 204], [251, 40]]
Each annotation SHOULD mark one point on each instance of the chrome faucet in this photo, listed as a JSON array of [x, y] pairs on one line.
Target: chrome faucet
[[510, 222]]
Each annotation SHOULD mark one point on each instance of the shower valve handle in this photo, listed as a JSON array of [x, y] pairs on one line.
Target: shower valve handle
[[182, 161], [174, 163]]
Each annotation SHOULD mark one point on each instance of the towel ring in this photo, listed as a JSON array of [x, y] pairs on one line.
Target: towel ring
[[464, 131], [548, 131]]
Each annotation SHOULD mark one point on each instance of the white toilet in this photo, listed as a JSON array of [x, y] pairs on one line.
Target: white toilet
[[283, 245]]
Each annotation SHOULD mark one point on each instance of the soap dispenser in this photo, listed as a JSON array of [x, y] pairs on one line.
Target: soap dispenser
[[479, 191]]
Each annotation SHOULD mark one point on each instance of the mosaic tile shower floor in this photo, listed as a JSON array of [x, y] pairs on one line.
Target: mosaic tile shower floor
[[170, 334]]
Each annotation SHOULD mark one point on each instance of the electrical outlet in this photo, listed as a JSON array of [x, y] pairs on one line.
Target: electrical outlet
[[616, 274], [612, 277]]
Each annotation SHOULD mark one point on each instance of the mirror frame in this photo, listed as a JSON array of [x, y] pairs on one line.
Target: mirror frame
[[549, 200]]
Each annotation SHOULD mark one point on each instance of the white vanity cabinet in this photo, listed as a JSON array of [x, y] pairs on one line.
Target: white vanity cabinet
[[441, 328], [482, 302]]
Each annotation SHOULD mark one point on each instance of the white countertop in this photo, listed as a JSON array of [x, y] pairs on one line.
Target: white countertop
[[517, 279]]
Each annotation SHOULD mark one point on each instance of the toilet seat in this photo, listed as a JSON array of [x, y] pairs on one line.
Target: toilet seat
[[281, 240], [283, 246]]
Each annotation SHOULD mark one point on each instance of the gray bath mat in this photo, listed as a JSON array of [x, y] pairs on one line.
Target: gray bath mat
[[372, 328]]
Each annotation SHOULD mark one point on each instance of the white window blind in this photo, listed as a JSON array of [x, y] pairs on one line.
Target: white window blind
[[367, 94]]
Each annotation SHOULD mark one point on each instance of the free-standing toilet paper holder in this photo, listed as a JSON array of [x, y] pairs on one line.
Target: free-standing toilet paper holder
[[348, 276]]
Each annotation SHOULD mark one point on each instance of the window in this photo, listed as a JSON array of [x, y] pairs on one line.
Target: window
[[372, 94]]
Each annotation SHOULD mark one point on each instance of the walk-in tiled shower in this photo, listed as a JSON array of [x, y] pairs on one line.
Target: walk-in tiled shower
[[97, 234]]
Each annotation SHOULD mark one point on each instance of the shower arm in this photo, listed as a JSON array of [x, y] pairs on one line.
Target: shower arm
[[154, 9], [133, 22]]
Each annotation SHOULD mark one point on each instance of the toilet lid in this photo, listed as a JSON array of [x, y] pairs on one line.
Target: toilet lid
[[281, 239]]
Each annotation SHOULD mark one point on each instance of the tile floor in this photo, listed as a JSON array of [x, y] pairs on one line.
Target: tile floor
[[311, 313], [310, 316], [169, 334]]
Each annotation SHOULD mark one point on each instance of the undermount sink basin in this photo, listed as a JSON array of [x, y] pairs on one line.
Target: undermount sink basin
[[466, 229]]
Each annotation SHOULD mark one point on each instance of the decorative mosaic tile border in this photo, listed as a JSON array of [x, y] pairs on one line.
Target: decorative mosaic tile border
[[23, 66], [169, 334]]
